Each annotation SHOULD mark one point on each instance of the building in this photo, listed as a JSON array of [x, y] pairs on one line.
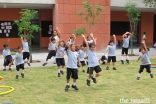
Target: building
[[62, 13]]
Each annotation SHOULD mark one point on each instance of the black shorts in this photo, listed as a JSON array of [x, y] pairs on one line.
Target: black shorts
[[60, 61], [18, 67], [73, 73], [148, 70], [8, 60], [51, 53], [124, 50], [91, 69], [112, 58], [26, 55], [83, 63]]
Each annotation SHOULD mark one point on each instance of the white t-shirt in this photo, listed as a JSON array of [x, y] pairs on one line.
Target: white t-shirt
[[144, 37], [25, 46], [52, 46], [18, 57], [57, 40], [81, 55], [60, 51], [145, 59], [6, 52], [92, 58], [111, 50], [90, 41], [72, 59], [126, 42]]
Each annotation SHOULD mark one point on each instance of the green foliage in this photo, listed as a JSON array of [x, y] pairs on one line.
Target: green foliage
[[132, 11], [150, 3], [25, 24], [90, 15], [78, 32]]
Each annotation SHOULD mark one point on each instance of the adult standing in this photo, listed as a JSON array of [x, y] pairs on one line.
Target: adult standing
[[144, 36]]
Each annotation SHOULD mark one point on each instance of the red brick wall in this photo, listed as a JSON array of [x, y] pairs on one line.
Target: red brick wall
[[65, 17]]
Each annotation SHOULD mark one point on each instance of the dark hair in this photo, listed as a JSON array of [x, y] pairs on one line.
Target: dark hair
[[110, 42], [5, 45], [143, 48], [81, 45], [53, 39], [144, 32], [91, 44], [19, 47]]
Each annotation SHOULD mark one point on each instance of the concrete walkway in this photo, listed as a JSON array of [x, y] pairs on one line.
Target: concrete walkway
[[41, 56]]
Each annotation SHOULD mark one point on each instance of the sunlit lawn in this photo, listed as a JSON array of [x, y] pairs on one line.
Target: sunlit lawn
[[42, 86]]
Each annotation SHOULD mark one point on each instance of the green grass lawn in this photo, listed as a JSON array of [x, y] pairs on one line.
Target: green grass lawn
[[42, 86]]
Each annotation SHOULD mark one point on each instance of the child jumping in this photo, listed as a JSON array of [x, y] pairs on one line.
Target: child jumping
[[7, 56], [19, 62], [126, 37], [145, 61], [111, 48], [81, 56], [26, 54], [72, 69], [60, 57], [93, 64], [52, 50]]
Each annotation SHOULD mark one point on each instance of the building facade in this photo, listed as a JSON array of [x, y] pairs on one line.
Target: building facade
[[63, 14]]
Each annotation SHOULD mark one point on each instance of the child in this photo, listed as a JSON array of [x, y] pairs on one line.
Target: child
[[52, 50], [126, 37], [72, 69], [81, 57], [60, 57], [93, 63], [26, 53], [111, 48], [7, 56], [19, 62], [145, 61], [103, 58]]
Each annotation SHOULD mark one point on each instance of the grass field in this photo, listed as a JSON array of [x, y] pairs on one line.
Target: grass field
[[42, 86]]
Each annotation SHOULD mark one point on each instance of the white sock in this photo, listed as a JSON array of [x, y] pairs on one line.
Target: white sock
[[54, 59], [151, 73], [4, 67], [23, 71], [74, 84], [58, 70], [121, 57], [139, 75], [17, 73], [62, 69], [68, 84], [88, 78], [94, 76], [127, 57]]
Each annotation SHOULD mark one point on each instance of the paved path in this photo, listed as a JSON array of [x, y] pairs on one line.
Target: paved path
[[41, 56]]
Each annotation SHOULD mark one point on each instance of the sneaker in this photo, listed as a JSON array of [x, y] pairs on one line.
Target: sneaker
[[75, 87], [59, 74], [67, 87], [94, 80], [152, 76], [114, 68], [10, 69], [127, 61], [4, 69], [88, 82], [138, 78], [107, 68], [83, 70], [54, 63], [22, 75], [29, 64], [122, 61], [16, 76], [44, 64], [62, 72]]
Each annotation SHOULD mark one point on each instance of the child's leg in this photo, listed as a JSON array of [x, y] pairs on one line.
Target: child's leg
[[62, 69], [113, 63], [140, 71], [148, 70], [17, 72], [68, 78], [4, 68]]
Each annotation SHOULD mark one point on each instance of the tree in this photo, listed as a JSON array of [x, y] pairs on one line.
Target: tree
[[90, 16], [133, 15], [150, 3], [26, 27]]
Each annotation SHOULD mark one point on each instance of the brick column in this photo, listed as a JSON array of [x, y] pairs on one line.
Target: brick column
[[66, 18]]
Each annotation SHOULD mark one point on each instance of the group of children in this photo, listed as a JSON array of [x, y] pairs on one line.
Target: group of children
[[58, 48]]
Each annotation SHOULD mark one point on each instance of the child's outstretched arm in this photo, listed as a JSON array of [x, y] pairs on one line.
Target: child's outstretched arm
[[58, 31], [92, 36], [143, 42], [69, 43], [114, 38], [138, 59], [74, 36], [85, 40], [78, 61]]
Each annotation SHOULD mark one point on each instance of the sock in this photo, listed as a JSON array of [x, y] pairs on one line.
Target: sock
[[74, 84], [94, 76], [62, 69], [88, 78], [54, 59], [17, 73], [151, 73], [139, 75], [127, 57], [121, 57], [4, 67], [58, 70], [68, 84], [23, 71]]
